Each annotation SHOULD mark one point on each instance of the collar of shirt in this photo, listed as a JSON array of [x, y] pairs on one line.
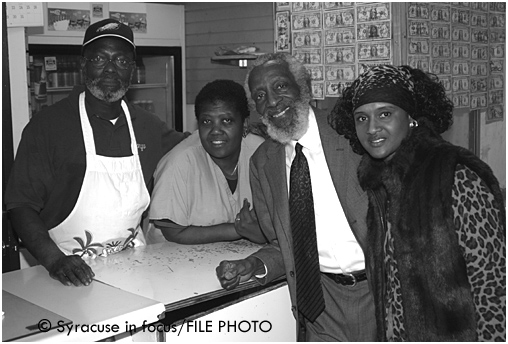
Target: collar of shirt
[[310, 141], [338, 249], [120, 120]]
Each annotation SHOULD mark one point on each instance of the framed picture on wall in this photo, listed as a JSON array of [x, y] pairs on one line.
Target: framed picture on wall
[[282, 32], [495, 113]]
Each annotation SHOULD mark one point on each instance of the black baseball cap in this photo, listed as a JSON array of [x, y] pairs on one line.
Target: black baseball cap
[[108, 28]]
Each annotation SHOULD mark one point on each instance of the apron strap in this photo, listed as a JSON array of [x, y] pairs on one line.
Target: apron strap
[[134, 143], [86, 127], [88, 132]]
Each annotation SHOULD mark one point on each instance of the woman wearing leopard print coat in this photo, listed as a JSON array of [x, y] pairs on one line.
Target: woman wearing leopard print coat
[[436, 216]]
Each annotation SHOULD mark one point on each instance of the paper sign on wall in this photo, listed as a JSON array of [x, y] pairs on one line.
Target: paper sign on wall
[[23, 14], [64, 19], [136, 21]]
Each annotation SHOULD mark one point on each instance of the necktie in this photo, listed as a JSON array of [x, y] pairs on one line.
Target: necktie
[[309, 294]]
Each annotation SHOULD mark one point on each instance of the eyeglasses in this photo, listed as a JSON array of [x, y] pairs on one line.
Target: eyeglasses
[[101, 62]]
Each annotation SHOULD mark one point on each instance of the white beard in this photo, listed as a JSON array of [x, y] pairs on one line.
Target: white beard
[[106, 96], [291, 127]]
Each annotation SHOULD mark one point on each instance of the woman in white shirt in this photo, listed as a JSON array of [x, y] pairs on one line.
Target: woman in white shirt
[[202, 191]]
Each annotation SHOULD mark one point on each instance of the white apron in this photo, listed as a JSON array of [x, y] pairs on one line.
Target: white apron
[[106, 217]]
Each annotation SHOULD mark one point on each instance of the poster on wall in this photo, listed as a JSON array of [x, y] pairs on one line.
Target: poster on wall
[[97, 10], [136, 21], [23, 14], [495, 113], [282, 32], [281, 6], [62, 19]]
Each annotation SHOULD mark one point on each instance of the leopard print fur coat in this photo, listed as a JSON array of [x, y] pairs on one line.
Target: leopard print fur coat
[[410, 196]]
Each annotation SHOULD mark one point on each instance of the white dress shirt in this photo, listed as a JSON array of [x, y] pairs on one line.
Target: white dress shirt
[[339, 252]]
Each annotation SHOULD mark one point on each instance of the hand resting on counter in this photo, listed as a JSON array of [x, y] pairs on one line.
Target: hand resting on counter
[[69, 270], [233, 272]]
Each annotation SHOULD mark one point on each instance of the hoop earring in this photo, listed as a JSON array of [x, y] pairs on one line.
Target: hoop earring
[[413, 124]]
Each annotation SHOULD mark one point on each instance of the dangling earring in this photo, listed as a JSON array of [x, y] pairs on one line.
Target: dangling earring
[[413, 124]]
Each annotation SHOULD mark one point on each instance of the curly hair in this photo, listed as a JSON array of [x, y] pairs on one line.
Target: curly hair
[[300, 73], [431, 104], [226, 91]]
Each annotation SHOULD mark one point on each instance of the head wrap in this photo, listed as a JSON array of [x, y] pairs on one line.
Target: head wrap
[[387, 84]]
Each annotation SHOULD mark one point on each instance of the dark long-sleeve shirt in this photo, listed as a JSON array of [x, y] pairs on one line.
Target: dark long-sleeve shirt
[[50, 162]]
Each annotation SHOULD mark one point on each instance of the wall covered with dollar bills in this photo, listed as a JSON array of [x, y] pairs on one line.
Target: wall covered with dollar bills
[[335, 40], [462, 42]]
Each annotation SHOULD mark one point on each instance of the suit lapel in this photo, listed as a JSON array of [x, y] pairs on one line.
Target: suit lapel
[[275, 170], [343, 165], [333, 154]]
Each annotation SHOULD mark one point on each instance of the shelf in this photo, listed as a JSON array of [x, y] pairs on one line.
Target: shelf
[[56, 89], [157, 85], [234, 60], [234, 57]]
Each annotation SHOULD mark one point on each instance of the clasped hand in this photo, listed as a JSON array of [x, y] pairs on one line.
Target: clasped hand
[[247, 226], [233, 272]]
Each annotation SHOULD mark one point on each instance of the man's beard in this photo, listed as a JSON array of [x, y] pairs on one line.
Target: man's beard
[[105, 95], [290, 126]]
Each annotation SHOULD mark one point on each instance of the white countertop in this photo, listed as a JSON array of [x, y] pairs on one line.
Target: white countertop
[[170, 273], [130, 288]]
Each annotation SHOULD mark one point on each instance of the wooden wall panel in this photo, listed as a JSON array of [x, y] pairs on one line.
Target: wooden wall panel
[[224, 25], [209, 11], [211, 25]]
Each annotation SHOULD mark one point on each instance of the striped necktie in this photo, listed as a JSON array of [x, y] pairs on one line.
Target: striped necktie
[[309, 294]]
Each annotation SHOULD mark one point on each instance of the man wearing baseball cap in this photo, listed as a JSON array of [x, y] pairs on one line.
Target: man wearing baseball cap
[[79, 184]]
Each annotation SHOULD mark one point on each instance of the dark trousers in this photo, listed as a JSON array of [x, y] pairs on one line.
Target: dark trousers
[[348, 315]]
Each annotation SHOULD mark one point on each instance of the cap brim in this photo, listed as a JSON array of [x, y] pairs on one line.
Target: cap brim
[[109, 35]]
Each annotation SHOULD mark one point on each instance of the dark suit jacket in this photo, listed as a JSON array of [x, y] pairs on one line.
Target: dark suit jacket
[[270, 197]]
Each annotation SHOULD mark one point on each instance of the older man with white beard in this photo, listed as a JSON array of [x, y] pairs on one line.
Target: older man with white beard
[[310, 207], [79, 184]]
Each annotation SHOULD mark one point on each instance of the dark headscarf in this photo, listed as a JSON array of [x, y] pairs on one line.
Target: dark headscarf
[[387, 84]]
